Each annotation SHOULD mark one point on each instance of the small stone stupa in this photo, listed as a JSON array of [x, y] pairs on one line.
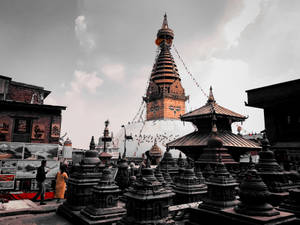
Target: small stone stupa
[[155, 153], [221, 189], [80, 185], [147, 201], [104, 208], [214, 148], [254, 194], [188, 188], [168, 164]]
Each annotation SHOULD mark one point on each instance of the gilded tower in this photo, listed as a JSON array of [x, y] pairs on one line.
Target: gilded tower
[[165, 97]]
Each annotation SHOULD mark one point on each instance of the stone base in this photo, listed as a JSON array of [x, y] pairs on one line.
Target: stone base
[[105, 216], [229, 216], [129, 221], [90, 215], [287, 207], [276, 198], [217, 205], [64, 211]]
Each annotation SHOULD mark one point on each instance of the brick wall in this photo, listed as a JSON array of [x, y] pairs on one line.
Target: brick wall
[[23, 94], [165, 108], [43, 120]]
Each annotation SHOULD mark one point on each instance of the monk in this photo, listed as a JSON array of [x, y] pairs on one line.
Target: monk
[[60, 187]]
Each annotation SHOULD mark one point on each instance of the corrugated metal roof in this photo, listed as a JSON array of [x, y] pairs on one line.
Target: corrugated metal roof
[[200, 139], [207, 109]]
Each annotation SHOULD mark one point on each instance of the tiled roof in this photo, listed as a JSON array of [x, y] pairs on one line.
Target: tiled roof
[[208, 108], [200, 139]]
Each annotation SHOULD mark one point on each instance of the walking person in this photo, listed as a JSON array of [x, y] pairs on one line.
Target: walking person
[[61, 179], [40, 178]]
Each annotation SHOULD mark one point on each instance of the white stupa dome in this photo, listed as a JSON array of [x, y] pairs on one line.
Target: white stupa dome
[[145, 133]]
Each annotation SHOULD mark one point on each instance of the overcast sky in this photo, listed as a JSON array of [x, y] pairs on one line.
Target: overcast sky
[[96, 56]]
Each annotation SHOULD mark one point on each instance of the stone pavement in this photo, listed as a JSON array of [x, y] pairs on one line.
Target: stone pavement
[[27, 212]]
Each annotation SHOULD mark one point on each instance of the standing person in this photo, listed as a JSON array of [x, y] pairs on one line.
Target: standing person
[[60, 187], [40, 178]]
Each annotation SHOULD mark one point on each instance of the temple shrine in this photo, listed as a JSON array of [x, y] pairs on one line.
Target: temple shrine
[[193, 144]]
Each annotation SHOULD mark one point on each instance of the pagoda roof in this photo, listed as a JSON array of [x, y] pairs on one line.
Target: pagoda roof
[[212, 107], [200, 139]]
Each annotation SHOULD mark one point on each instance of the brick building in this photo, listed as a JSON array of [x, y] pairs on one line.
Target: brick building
[[24, 117], [29, 132]]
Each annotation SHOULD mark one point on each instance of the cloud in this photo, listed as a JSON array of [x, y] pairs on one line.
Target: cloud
[[114, 71], [84, 80], [236, 26], [85, 38]]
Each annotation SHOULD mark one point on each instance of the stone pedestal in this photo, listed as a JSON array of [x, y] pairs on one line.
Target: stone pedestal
[[104, 208], [188, 188], [292, 203]]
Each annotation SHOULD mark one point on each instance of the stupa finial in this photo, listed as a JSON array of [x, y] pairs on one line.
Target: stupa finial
[[165, 22], [211, 98]]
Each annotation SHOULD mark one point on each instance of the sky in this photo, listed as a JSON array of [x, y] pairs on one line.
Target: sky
[[96, 56]]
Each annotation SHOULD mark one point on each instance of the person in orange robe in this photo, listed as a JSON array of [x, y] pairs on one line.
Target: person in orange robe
[[60, 187]]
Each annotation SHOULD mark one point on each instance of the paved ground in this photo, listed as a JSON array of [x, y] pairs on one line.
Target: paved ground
[[26, 212], [35, 219]]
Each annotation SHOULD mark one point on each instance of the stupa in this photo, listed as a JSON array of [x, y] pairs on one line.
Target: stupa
[[221, 189], [155, 154], [211, 154], [147, 201], [272, 174], [80, 185], [164, 102], [104, 208], [104, 155], [168, 164], [188, 188]]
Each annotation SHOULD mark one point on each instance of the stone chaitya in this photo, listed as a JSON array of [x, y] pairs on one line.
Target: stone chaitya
[[270, 171], [80, 185], [104, 208], [254, 194], [104, 155], [159, 176], [180, 161], [92, 143], [147, 201], [221, 189], [155, 154], [214, 148], [253, 207], [168, 165], [188, 188], [122, 177]]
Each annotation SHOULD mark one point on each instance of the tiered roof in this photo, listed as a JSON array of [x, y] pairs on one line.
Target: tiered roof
[[210, 107]]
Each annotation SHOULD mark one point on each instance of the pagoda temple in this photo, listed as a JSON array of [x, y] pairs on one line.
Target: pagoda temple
[[164, 102], [193, 144], [165, 97]]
